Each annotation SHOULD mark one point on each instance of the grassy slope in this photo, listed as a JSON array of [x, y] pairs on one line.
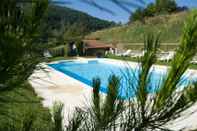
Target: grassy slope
[[169, 25], [17, 104]]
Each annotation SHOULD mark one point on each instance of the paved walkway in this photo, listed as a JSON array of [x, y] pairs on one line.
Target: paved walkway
[[54, 86]]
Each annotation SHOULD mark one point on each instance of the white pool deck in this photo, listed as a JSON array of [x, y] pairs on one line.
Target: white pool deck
[[54, 86]]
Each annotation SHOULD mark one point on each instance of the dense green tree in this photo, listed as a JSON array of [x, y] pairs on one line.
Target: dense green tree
[[19, 39], [159, 7], [20, 51], [75, 31], [137, 15], [80, 47], [165, 6], [150, 10], [61, 21]]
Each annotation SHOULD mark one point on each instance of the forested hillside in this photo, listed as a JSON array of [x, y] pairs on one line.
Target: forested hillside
[[61, 20]]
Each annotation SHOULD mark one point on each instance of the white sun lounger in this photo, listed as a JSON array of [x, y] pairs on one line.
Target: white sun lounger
[[167, 57], [138, 55], [47, 54], [194, 60], [127, 53]]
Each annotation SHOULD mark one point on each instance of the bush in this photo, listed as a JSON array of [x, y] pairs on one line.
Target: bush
[[137, 15], [160, 7], [165, 6], [80, 47], [66, 50], [150, 10], [57, 51]]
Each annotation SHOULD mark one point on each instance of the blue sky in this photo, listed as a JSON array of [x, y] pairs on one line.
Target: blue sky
[[119, 15]]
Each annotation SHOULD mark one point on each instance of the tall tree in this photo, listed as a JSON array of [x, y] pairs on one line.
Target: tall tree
[[165, 5], [159, 7], [137, 15]]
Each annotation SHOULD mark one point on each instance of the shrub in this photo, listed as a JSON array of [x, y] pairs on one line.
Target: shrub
[[137, 15], [80, 48], [150, 10], [165, 6], [160, 7], [57, 116], [66, 50], [57, 51]]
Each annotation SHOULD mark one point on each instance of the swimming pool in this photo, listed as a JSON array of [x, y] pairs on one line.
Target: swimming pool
[[86, 70]]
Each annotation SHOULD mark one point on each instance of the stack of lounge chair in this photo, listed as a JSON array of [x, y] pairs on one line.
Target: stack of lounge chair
[[166, 56], [194, 60]]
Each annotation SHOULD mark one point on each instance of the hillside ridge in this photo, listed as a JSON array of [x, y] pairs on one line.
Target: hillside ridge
[[170, 27]]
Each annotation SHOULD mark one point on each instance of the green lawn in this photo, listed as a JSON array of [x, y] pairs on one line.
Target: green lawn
[[20, 103]]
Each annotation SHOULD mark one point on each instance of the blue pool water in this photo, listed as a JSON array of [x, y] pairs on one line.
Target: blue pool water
[[86, 71]]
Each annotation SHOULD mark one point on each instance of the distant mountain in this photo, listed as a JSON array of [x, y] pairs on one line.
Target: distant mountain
[[61, 18]]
